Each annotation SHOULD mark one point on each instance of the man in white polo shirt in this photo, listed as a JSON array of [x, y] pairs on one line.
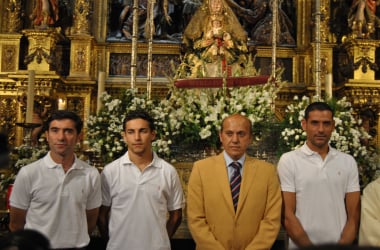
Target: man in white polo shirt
[[58, 195], [320, 186], [138, 191]]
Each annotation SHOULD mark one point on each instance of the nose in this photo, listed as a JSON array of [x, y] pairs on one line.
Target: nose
[[137, 136], [61, 135], [235, 137], [321, 127]]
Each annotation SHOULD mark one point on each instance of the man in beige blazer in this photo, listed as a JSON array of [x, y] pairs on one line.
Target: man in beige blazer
[[212, 219]]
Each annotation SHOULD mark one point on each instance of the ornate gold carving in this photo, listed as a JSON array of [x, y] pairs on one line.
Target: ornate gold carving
[[42, 44], [8, 114], [14, 14], [9, 54], [362, 53], [80, 56], [81, 20], [80, 59]]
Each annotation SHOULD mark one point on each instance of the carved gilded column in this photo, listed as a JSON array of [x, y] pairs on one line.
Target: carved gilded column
[[14, 16], [81, 17]]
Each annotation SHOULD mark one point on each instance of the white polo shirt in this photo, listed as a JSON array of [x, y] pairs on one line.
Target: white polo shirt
[[320, 187], [56, 202], [139, 202]]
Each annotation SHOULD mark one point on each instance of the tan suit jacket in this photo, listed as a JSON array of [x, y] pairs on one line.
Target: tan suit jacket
[[211, 217]]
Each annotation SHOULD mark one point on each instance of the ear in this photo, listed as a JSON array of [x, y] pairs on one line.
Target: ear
[[154, 134], [80, 137], [303, 124], [124, 135]]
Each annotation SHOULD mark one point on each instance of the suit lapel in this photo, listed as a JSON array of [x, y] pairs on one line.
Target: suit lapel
[[222, 176], [247, 180]]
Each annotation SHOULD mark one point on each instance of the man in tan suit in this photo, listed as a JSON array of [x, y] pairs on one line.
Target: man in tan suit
[[212, 219]]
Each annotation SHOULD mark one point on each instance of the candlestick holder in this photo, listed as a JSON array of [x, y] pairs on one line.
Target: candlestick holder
[[94, 159], [28, 128]]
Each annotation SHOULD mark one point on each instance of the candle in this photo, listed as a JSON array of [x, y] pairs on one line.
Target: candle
[[61, 104], [30, 97], [328, 86], [101, 88], [317, 6]]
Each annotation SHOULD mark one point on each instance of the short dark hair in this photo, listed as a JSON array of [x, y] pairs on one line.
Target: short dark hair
[[26, 239], [139, 114], [321, 106], [65, 114]]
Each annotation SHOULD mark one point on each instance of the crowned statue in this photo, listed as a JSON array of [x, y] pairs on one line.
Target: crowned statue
[[215, 42]]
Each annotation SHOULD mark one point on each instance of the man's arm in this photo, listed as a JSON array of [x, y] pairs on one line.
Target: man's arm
[[175, 218], [350, 230], [197, 222], [291, 223], [103, 220], [92, 216], [17, 219]]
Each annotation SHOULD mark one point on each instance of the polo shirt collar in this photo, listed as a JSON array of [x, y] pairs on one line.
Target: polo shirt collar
[[307, 151], [50, 163], [127, 162]]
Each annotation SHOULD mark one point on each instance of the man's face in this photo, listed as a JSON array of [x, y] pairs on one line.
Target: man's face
[[235, 136], [62, 137], [138, 136], [318, 127]]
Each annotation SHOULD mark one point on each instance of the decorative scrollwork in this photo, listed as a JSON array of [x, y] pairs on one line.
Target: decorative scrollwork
[[365, 61], [39, 53]]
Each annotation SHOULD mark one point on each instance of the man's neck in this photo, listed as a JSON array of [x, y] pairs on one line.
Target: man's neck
[[323, 151], [66, 161], [141, 160]]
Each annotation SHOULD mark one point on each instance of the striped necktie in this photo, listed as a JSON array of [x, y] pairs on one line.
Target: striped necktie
[[235, 182]]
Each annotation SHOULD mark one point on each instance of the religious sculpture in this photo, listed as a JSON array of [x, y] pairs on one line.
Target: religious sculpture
[[215, 41], [261, 33], [362, 18], [126, 18], [126, 6], [45, 13]]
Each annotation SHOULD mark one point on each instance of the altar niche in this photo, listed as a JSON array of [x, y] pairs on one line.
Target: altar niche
[[253, 16]]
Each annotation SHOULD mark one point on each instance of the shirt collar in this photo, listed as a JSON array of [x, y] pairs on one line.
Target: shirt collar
[[50, 163], [307, 151], [127, 162], [229, 160]]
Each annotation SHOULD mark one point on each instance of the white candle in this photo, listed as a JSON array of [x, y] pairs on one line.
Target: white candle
[[317, 6], [328, 86], [101, 88], [30, 97], [61, 104]]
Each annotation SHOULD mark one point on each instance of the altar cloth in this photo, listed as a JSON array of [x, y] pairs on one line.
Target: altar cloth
[[217, 82]]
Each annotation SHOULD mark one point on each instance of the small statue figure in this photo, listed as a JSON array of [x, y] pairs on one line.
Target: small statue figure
[[45, 13], [362, 17], [261, 33], [143, 10]]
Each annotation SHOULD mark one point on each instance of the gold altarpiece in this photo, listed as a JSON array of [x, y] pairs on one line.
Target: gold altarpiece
[[67, 61]]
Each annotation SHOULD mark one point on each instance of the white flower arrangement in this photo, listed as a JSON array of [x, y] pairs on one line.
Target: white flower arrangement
[[22, 156], [187, 117], [347, 137]]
